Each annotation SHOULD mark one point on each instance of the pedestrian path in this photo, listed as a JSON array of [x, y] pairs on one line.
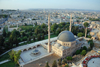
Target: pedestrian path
[[4, 61]]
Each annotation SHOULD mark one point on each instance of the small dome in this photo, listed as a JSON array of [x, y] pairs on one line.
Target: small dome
[[62, 47], [57, 45], [66, 36]]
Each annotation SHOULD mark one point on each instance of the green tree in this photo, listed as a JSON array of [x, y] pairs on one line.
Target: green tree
[[43, 36], [1, 40], [43, 25], [34, 38], [24, 38], [11, 54], [47, 65], [86, 25], [54, 27], [69, 58], [63, 61], [67, 65], [54, 64], [15, 41], [59, 63], [91, 45], [84, 48], [39, 37], [58, 31], [89, 36], [15, 55], [77, 52], [4, 32], [80, 34], [83, 52]]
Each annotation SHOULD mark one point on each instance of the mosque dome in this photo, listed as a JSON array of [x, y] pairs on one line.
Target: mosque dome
[[66, 36]]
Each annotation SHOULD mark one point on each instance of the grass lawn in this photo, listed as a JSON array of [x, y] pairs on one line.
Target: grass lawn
[[4, 57], [9, 64], [51, 36], [25, 27]]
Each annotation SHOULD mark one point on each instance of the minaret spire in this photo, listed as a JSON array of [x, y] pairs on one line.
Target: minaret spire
[[70, 23], [49, 46]]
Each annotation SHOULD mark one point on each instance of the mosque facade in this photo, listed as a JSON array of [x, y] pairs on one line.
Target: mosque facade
[[66, 44]]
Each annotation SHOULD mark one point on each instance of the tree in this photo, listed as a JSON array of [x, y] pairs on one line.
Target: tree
[[43, 25], [15, 41], [80, 34], [54, 27], [34, 38], [23, 34], [36, 31], [54, 64], [47, 65], [8, 34], [91, 45], [39, 37], [11, 41], [4, 32], [84, 48], [24, 38], [89, 36], [1, 40], [86, 25], [63, 61], [66, 65], [69, 58], [15, 55], [83, 52], [58, 31], [11, 54], [59, 63], [43, 36], [77, 52]]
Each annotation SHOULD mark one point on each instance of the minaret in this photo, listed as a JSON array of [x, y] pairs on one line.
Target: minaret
[[49, 46], [70, 27]]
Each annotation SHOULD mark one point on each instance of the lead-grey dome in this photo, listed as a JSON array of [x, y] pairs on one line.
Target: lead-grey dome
[[66, 36]]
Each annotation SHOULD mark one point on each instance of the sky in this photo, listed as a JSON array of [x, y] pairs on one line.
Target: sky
[[50, 4]]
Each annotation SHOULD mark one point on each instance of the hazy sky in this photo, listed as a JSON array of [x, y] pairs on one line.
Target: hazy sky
[[57, 4]]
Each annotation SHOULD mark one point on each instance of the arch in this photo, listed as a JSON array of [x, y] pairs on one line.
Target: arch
[[46, 43], [38, 45], [34, 47], [25, 50], [29, 48]]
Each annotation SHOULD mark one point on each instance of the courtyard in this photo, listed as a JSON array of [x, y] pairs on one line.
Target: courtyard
[[26, 55], [43, 61], [95, 62]]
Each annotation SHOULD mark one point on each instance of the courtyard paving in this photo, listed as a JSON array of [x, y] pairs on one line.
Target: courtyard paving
[[95, 62], [26, 55], [43, 61]]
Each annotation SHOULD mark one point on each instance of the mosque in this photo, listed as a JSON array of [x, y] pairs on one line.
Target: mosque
[[64, 45]]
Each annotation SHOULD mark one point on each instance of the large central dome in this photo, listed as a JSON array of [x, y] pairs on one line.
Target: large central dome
[[66, 36]]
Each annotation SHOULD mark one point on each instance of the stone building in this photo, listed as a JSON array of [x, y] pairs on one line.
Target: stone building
[[66, 44]]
